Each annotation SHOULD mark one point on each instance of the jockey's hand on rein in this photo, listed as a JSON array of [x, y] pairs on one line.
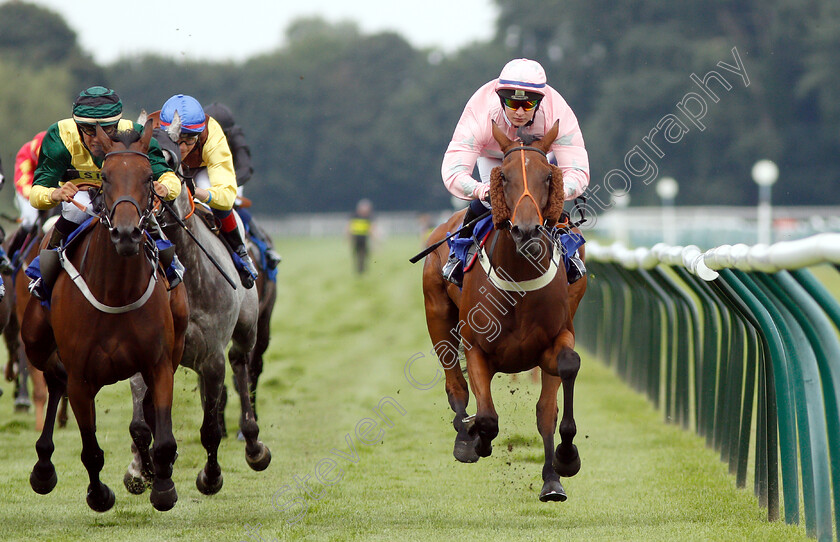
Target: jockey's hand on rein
[[161, 189], [64, 193]]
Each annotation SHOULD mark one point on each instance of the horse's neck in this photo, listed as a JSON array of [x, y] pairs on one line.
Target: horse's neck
[[514, 265], [106, 271]]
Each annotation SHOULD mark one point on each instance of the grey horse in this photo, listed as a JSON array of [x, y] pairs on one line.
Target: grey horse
[[219, 314]]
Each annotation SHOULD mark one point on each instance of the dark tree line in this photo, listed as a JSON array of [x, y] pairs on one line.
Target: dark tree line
[[334, 114]]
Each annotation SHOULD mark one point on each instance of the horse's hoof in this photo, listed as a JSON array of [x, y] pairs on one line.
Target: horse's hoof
[[261, 460], [164, 500], [202, 482], [43, 485], [101, 503], [484, 449], [566, 466], [465, 451], [552, 491], [135, 485]]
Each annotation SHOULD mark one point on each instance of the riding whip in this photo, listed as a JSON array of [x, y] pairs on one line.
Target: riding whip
[[181, 223], [432, 248]]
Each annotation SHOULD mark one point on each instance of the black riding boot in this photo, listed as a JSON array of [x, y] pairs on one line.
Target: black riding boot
[[453, 264], [576, 268], [169, 261], [18, 240], [48, 259], [272, 258], [247, 270]]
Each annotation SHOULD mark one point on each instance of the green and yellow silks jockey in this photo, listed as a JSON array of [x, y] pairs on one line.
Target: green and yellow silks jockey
[[70, 155]]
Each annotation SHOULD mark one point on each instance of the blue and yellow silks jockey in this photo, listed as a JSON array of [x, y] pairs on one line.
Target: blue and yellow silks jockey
[[206, 158]]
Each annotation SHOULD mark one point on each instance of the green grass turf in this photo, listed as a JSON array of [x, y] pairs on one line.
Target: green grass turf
[[340, 344]]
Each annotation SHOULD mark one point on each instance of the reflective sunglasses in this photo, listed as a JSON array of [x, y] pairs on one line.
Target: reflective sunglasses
[[527, 105], [90, 131], [187, 139]]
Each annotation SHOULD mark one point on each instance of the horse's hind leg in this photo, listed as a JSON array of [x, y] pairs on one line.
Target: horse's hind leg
[[552, 489], [257, 454], [163, 496], [566, 457], [255, 364], [210, 380], [442, 322], [140, 472], [100, 498]]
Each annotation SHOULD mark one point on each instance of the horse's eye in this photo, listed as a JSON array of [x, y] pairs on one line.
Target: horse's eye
[[103, 177], [504, 179]]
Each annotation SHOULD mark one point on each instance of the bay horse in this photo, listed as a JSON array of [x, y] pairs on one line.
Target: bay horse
[[220, 315], [126, 322], [18, 367], [514, 315]]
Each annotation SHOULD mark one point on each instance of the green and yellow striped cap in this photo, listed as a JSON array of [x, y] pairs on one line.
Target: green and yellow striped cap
[[97, 105]]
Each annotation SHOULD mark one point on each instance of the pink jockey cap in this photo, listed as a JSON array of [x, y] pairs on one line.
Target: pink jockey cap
[[523, 78]]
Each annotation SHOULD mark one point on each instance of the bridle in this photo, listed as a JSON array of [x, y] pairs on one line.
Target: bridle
[[106, 216], [526, 192]]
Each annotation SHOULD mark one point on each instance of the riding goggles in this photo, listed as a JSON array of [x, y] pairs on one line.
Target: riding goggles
[[527, 105], [187, 139], [90, 130]]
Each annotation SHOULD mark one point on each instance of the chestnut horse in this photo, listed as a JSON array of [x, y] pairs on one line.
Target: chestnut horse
[[110, 320], [514, 312]]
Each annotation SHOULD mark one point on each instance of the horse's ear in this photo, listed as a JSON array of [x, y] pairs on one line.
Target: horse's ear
[[500, 136], [103, 139], [501, 211], [143, 117], [174, 129], [548, 139], [146, 136]]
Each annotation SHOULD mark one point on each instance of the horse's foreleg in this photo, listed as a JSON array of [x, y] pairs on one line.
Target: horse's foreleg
[[566, 458], [486, 423], [552, 489], [163, 496], [43, 477], [140, 472], [100, 498], [211, 375], [257, 454], [39, 343]]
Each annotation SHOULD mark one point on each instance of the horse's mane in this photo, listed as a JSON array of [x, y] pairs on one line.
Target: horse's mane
[[127, 137], [527, 139]]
